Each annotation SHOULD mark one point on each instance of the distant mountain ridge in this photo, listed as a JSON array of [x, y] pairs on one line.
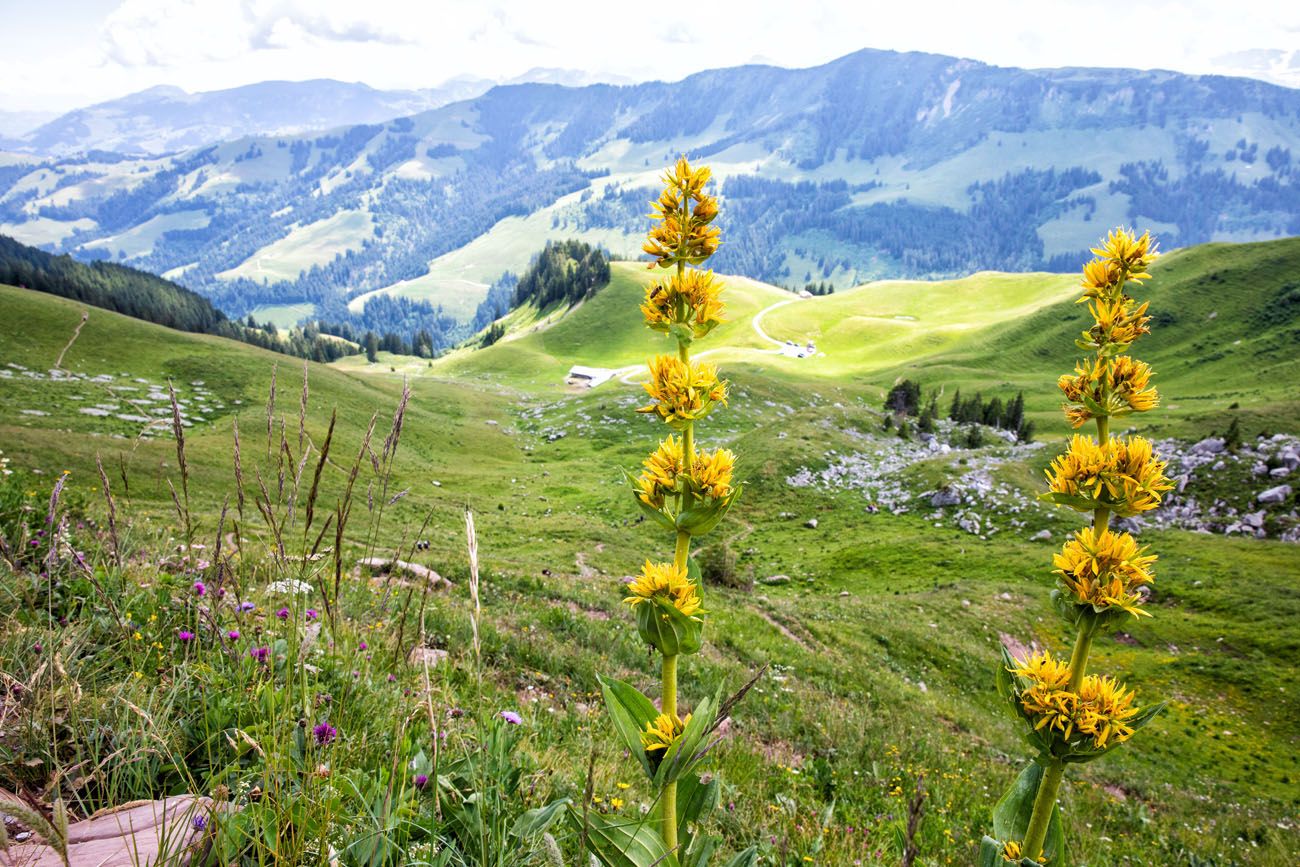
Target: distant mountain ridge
[[166, 119], [878, 164]]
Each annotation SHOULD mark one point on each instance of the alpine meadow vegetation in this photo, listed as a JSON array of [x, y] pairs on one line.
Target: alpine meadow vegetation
[[1072, 716]]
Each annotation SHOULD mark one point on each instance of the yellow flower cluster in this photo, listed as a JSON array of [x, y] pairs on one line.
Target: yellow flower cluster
[[683, 391], [1105, 569], [1121, 475], [666, 581], [1119, 386], [1119, 321], [1100, 710], [1011, 852], [1123, 257], [663, 732], [710, 474], [684, 214], [687, 298], [659, 478]]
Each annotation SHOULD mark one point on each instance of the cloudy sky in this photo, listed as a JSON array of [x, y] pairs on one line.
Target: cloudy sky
[[61, 54]]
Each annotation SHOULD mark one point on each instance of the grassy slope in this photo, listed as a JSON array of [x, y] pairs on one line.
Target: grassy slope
[[1222, 645], [604, 331], [1226, 327]]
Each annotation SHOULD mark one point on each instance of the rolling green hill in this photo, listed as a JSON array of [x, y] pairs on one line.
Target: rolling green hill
[[1226, 324]]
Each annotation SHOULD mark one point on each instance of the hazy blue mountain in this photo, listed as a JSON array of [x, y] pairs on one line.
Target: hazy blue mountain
[[877, 164], [167, 119]]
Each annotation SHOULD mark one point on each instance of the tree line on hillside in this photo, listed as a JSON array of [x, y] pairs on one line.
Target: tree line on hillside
[[148, 297], [563, 272], [905, 400]]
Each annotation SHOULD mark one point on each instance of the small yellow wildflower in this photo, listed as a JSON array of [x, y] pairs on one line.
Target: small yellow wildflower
[[616, 803], [1011, 852], [1105, 569], [683, 391], [668, 581], [663, 732]]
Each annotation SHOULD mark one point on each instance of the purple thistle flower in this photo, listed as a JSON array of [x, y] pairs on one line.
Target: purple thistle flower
[[200, 588], [259, 653], [185, 635], [311, 613], [421, 780], [324, 733], [511, 717], [392, 678], [200, 822], [362, 646], [283, 614], [246, 606], [233, 635]]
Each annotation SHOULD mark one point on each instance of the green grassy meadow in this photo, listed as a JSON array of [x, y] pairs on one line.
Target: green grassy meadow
[[881, 644]]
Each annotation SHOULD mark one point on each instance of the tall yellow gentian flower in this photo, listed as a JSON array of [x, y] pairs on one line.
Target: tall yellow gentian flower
[[1103, 575]]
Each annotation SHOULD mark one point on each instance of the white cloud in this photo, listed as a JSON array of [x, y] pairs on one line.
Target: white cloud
[[209, 44]]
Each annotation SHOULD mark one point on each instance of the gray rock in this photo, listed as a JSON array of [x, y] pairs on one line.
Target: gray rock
[[945, 496], [970, 524], [1279, 473], [1274, 495], [1042, 536], [1260, 469], [777, 579], [811, 523], [1209, 446], [1253, 519], [1132, 526]]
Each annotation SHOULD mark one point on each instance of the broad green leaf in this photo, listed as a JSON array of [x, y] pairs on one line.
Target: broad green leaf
[[681, 756], [1005, 680], [661, 518], [537, 820], [1014, 809], [990, 853], [623, 842], [701, 517], [699, 850], [695, 800], [747, 858], [1078, 503], [661, 624], [631, 711]]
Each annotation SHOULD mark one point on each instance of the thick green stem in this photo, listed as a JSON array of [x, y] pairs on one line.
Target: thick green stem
[[1082, 646], [668, 797], [1044, 802], [683, 550]]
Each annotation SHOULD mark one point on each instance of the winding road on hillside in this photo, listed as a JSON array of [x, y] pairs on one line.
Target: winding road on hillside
[[623, 374]]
